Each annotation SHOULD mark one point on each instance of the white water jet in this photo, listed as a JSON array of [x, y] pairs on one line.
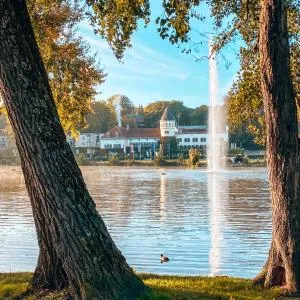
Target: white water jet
[[117, 105], [217, 183], [216, 118]]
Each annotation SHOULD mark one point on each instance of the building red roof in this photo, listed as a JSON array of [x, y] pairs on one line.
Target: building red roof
[[192, 130], [116, 132]]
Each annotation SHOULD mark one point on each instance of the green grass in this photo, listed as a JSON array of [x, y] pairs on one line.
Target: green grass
[[14, 285], [175, 287]]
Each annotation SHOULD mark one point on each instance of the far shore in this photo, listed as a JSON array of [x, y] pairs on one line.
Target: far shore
[[154, 164], [202, 164]]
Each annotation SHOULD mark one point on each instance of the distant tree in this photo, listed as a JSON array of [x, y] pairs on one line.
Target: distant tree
[[101, 119], [140, 110], [153, 112], [178, 109], [199, 115], [127, 108], [73, 73], [244, 139]]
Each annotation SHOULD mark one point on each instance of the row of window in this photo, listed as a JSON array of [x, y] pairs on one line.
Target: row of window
[[114, 146], [170, 124], [194, 140], [201, 147], [118, 146]]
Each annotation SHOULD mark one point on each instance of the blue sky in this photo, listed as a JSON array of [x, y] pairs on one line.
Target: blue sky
[[153, 69]]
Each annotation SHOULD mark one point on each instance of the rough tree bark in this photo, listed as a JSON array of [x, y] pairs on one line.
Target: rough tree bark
[[75, 246], [283, 264]]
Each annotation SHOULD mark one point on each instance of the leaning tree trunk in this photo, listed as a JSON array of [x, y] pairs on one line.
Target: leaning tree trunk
[[75, 246], [283, 264]]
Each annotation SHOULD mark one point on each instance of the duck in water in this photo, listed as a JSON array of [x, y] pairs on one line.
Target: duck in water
[[163, 258]]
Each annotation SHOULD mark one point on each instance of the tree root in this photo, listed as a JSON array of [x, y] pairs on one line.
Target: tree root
[[271, 277]]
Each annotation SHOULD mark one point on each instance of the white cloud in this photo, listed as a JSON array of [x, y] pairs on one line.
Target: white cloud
[[140, 60]]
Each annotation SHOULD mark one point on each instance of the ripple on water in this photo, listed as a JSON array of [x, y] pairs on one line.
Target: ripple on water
[[203, 231]]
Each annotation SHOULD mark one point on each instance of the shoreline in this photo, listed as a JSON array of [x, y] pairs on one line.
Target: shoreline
[[168, 163], [151, 164]]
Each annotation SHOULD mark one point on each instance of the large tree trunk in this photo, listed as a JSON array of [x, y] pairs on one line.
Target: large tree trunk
[[283, 265], [75, 246]]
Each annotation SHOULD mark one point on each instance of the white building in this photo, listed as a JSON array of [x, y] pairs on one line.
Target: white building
[[136, 139], [167, 124]]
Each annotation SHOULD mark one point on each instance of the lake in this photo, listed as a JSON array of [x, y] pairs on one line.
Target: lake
[[207, 224]]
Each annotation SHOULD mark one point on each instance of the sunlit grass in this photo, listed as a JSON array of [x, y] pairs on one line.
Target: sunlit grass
[[175, 287], [14, 285]]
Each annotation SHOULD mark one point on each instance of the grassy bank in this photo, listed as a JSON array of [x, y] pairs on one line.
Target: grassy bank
[[13, 285]]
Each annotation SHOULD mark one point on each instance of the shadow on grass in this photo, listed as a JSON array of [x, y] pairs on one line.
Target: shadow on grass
[[14, 286]]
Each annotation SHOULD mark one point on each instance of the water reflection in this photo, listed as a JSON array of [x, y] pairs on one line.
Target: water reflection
[[151, 211], [163, 195], [218, 197]]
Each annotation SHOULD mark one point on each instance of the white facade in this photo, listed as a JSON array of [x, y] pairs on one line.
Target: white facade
[[191, 139], [167, 124], [86, 140], [167, 128], [121, 142]]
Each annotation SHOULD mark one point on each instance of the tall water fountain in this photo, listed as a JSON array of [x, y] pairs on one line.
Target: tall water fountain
[[216, 118], [217, 182]]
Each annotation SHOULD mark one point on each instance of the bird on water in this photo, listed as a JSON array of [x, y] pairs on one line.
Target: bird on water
[[163, 258]]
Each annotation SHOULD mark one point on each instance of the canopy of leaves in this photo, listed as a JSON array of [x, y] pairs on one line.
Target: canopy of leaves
[[127, 109], [116, 20], [101, 119], [185, 115], [199, 115], [153, 112], [73, 72], [245, 101]]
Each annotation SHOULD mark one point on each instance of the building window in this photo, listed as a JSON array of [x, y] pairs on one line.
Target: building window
[[83, 137], [195, 140], [187, 140], [166, 131], [179, 140], [203, 139]]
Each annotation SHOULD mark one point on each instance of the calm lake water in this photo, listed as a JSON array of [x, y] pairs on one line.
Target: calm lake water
[[207, 224]]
